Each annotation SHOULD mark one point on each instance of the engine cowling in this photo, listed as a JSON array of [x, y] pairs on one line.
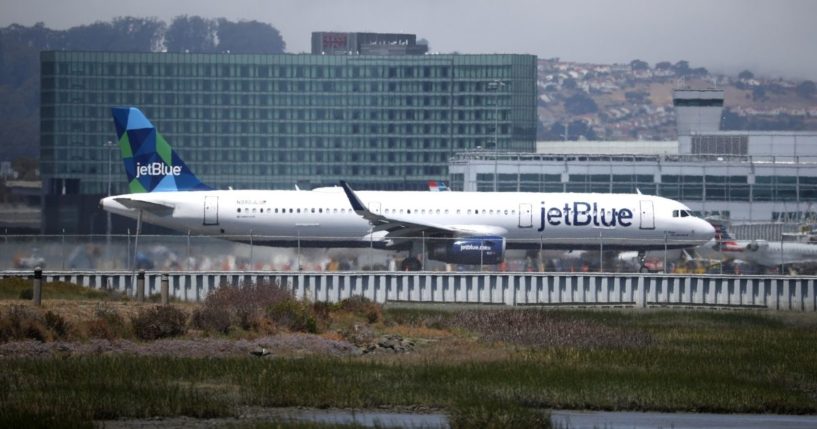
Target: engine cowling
[[470, 251], [756, 245]]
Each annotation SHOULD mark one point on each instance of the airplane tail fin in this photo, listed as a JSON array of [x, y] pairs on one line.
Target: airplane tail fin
[[150, 163], [435, 186]]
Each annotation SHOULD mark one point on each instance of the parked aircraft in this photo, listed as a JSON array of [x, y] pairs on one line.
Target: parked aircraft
[[435, 186], [796, 256], [454, 227]]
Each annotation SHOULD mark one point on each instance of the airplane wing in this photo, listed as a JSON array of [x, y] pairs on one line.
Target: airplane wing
[[397, 228], [157, 209]]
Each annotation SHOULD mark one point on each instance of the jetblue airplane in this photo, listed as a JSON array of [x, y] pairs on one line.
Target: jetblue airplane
[[468, 228]]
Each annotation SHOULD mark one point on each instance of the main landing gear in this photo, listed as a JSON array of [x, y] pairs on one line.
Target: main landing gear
[[411, 263], [642, 258]]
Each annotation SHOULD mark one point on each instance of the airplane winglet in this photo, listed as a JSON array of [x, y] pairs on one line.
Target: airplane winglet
[[158, 209], [357, 205]]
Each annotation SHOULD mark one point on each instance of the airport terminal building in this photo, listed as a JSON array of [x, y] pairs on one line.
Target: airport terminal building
[[387, 122], [744, 176]]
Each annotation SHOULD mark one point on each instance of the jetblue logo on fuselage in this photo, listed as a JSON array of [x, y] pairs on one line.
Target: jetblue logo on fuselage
[[582, 214], [157, 169]]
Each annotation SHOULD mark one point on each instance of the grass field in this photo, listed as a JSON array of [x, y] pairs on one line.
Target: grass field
[[17, 288], [482, 367]]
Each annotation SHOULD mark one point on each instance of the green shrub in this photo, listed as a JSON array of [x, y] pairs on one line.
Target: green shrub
[[23, 323], [244, 304], [293, 315], [211, 319], [363, 307], [159, 322], [107, 324], [57, 324]]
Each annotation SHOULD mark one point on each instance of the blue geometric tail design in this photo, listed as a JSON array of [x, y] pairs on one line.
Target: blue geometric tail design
[[150, 163]]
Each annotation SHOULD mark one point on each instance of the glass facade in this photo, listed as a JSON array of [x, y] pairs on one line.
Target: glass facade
[[677, 187], [274, 121], [746, 188]]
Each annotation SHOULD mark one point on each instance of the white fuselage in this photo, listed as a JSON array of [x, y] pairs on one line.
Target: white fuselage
[[325, 218]]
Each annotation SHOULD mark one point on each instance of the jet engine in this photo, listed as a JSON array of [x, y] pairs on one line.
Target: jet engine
[[756, 245], [469, 251]]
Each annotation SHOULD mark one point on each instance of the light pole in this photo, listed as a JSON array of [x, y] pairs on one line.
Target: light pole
[[495, 85], [109, 147]]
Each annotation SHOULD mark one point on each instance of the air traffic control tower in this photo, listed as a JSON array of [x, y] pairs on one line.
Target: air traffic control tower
[[697, 110]]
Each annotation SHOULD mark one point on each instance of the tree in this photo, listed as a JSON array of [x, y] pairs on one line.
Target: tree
[[681, 68], [122, 34], [575, 130], [806, 89], [137, 34], [190, 34], [699, 71], [663, 65], [639, 65], [249, 37], [580, 104], [746, 75], [569, 83], [27, 167]]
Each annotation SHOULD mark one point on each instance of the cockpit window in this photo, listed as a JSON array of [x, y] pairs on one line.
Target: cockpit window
[[682, 213]]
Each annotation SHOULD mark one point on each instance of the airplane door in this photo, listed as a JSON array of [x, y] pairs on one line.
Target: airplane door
[[211, 210], [525, 216], [647, 215], [374, 207]]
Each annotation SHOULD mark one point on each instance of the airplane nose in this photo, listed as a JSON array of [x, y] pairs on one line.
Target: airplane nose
[[706, 231]]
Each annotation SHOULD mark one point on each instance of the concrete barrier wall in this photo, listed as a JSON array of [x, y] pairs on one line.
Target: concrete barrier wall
[[542, 289]]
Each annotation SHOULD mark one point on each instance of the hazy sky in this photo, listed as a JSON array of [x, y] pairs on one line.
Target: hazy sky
[[770, 37]]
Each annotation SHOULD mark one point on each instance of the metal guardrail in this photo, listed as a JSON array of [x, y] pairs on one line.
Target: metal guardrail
[[514, 289]]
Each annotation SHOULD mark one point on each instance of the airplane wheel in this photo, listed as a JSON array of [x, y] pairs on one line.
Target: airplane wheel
[[410, 264]]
